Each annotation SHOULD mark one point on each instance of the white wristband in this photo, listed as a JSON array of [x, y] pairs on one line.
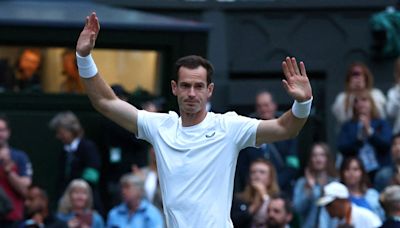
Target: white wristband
[[302, 109], [86, 66]]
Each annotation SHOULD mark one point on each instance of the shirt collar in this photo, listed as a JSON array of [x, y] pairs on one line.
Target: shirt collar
[[124, 207], [73, 146]]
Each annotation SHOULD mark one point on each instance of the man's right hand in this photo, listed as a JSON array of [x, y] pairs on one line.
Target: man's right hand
[[88, 36]]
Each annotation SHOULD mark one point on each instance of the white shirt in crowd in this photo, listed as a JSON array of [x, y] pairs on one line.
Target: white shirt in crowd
[[393, 106], [364, 218], [196, 164], [342, 115]]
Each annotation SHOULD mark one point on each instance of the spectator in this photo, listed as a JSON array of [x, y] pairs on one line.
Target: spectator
[[134, 211], [26, 76], [390, 174], [76, 206], [366, 135], [37, 211], [335, 200], [123, 150], [250, 207], [358, 78], [282, 154], [72, 82], [320, 171], [280, 213], [150, 177], [79, 158], [15, 175], [354, 176], [393, 103], [390, 200]]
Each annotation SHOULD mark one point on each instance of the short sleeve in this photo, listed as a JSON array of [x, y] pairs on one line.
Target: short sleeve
[[148, 123], [242, 129]]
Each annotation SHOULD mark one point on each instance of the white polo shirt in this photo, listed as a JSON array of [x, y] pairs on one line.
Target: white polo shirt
[[196, 164]]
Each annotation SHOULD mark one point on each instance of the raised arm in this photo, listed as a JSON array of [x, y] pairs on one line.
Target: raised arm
[[100, 93], [290, 123]]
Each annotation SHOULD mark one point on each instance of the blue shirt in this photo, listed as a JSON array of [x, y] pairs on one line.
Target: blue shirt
[[97, 220], [145, 216]]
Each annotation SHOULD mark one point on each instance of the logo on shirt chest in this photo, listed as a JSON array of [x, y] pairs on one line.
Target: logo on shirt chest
[[209, 135]]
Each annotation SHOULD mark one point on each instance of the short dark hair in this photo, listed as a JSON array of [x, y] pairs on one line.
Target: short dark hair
[[192, 62], [42, 192], [287, 203]]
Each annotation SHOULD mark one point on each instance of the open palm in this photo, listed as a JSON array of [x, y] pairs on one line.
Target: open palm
[[88, 36], [296, 83]]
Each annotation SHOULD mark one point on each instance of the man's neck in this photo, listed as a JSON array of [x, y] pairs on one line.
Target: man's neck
[[133, 206], [191, 119]]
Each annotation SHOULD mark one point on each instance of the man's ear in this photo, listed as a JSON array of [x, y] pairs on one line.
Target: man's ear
[[210, 89], [173, 87]]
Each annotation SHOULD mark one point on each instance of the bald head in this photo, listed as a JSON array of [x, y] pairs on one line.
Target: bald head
[[265, 106]]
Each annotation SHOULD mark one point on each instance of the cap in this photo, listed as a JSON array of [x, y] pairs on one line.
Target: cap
[[332, 191]]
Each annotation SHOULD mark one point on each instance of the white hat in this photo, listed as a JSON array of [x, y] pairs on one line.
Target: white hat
[[332, 191]]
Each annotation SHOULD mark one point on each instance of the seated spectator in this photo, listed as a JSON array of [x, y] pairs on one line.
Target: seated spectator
[[37, 211], [79, 158], [134, 211], [72, 82], [250, 207], [336, 201], [390, 200], [319, 171], [358, 78], [26, 76], [15, 176], [150, 177], [390, 174], [282, 154], [366, 135], [76, 206], [280, 213], [355, 178], [393, 95]]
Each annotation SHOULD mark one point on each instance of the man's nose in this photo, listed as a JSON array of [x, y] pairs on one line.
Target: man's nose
[[192, 92]]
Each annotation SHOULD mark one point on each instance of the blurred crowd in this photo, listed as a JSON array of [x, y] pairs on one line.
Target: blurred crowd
[[355, 183]]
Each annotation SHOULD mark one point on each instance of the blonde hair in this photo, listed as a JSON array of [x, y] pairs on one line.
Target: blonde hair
[[366, 94], [272, 187], [65, 205]]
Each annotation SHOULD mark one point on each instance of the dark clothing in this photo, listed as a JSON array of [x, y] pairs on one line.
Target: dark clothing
[[49, 222], [83, 163], [74, 164], [282, 154], [22, 167], [120, 150], [391, 223], [350, 144], [241, 217]]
